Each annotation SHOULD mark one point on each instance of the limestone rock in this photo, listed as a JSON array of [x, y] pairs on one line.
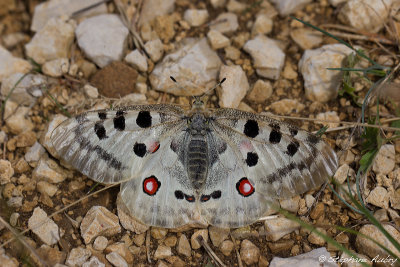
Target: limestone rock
[[194, 65], [10, 64], [53, 41], [44, 227], [235, 87], [99, 221], [102, 38], [268, 57]]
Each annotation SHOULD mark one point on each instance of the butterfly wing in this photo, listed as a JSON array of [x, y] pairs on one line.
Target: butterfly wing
[[114, 145], [264, 159], [163, 196], [133, 146]]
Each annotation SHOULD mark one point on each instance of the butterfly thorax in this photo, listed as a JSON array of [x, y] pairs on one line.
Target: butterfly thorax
[[197, 150]]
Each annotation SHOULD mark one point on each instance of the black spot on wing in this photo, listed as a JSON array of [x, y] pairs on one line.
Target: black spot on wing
[[100, 130], [216, 194], [293, 131], [252, 159], [119, 121], [275, 136], [179, 194], [312, 139], [102, 115], [140, 149], [143, 119], [205, 198], [251, 128], [292, 148]]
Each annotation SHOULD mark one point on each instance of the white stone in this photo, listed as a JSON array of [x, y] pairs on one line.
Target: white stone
[[290, 204], [331, 116], [309, 200], [116, 259], [385, 160], [99, 221], [306, 38], [135, 98], [320, 83], [195, 17], [100, 243], [312, 258], [368, 247], [194, 65], [336, 2], [46, 188], [268, 57], [236, 6], [217, 3], [262, 25], [261, 91], [249, 253], [93, 262], [368, 16], [343, 172], [193, 240], [286, 106], [53, 41], [102, 38], [235, 87], [315, 239], [276, 228], [155, 49], [15, 202], [48, 170], [184, 246], [225, 23], [54, 8], [10, 64], [137, 60], [6, 260], [6, 171], [91, 91], [154, 8], [162, 252], [78, 256], [286, 7], [11, 40], [16, 117], [56, 67], [43, 227], [217, 39], [26, 91], [379, 197]]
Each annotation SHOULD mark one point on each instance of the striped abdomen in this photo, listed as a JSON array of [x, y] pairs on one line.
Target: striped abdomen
[[197, 160]]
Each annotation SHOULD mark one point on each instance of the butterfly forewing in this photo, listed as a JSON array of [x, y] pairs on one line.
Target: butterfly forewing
[[110, 145]]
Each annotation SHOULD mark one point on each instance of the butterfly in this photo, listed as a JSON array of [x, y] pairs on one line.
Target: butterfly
[[176, 167]]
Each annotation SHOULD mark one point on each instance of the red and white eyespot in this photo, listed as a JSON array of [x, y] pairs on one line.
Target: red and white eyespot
[[153, 147], [151, 185], [244, 187]]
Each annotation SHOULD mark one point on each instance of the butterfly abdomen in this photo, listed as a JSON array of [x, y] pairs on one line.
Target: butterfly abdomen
[[197, 160]]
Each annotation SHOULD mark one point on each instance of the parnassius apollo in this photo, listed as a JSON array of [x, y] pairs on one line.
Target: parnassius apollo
[[220, 167]]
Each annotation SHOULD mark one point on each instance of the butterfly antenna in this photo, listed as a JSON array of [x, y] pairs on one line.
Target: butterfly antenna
[[215, 87]]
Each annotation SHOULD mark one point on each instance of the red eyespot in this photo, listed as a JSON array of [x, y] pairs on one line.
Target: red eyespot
[[244, 187], [151, 185], [154, 147]]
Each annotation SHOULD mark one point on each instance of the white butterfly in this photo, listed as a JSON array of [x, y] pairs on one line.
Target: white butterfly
[[180, 167]]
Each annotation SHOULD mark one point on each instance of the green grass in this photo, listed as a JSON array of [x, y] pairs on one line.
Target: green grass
[[372, 141]]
